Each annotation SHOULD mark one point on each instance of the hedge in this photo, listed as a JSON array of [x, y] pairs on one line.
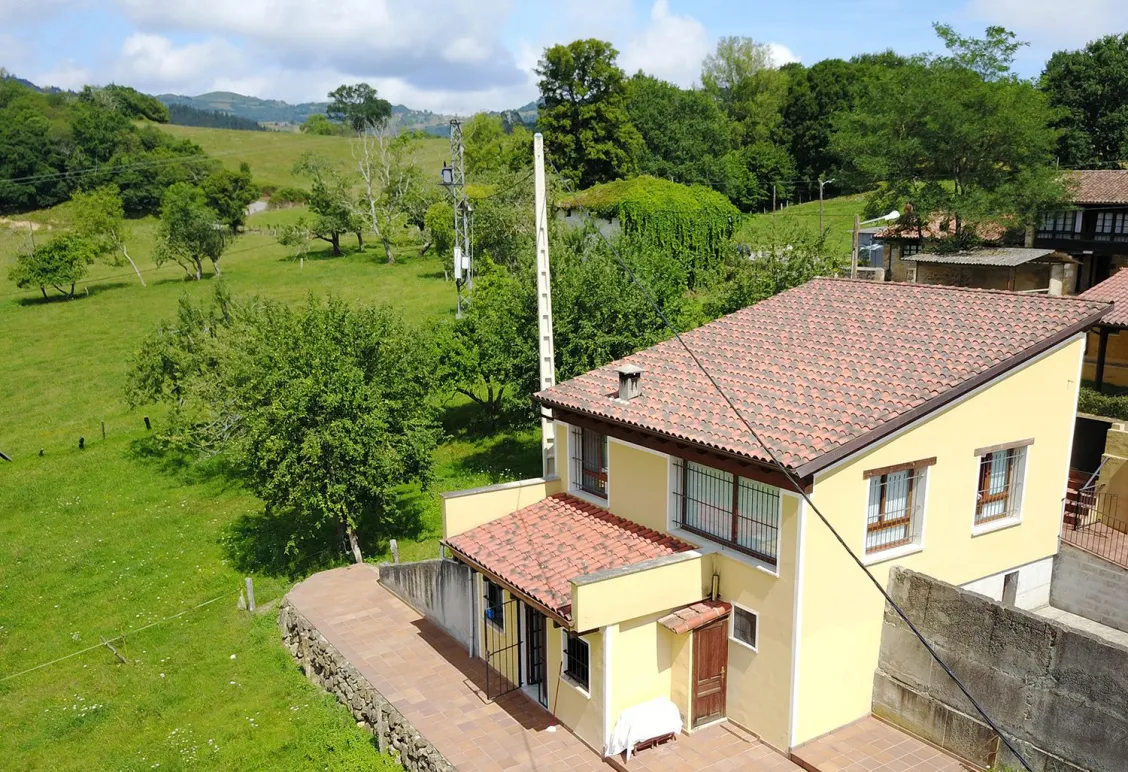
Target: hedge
[[1108, 405]]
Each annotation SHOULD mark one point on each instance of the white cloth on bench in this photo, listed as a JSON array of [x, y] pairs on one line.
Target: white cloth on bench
[[644, 722]]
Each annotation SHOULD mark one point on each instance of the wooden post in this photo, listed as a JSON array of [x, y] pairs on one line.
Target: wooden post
[[148, 426], [250, 595], [103, 431], [1102, 349], [854, 248], [110, 646], [82, 443]]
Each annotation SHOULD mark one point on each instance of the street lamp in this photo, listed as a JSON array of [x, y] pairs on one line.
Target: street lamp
[[890, 217]]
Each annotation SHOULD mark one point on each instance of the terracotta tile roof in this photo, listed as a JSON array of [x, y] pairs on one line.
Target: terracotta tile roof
[[939, 226], [1100, 186], [541, 548], [695, 615], [997, 256], [827, 366], [1113, 290]]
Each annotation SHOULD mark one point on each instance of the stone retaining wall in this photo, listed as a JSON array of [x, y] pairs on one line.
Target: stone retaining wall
[[327, 668]]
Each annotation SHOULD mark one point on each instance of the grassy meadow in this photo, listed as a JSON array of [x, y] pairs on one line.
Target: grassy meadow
[[838, 221], [271, 154], [103, 541]]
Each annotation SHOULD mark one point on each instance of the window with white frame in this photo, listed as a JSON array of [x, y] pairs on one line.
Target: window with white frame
[[745, 627], [1060, 225], [895, 511], [1111, 226], [999, 493], [495, 603], [725, 508], [577, 659], [589, 461]]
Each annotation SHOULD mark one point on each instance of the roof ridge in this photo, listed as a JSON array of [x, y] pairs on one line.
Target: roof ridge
[[942, 288]]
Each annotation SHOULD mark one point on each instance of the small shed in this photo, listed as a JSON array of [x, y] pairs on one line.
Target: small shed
[[1006, 268]]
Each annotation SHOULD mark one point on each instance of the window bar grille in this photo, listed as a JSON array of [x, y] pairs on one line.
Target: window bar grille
[[732, 510], [891, 519], [577, 655], [1000, 485]]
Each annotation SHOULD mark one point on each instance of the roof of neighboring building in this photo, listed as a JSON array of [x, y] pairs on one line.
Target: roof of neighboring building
[[827, 368], [1113, 290], [695, 615], [997, 256], [1101, 186], [541, 548], [939, 226]]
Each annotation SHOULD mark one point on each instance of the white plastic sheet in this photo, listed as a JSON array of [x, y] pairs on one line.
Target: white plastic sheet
[[644, 722]]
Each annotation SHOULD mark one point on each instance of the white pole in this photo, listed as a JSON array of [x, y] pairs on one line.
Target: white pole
[[546, 350]]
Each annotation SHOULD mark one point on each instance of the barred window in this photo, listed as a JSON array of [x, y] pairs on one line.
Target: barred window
[[589, 461], [745, 626], [577, 659], [495, 604], [734, 511], [1000, 485], [896, 509]]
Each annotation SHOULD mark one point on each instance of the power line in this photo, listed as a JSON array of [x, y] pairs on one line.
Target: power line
[[796, 484]]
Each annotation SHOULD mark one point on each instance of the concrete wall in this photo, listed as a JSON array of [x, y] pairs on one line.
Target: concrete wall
[[1090, 587], [439, 590], [1033, 584], [464, 510], [325, 666], [1060, 693], [839, 633]]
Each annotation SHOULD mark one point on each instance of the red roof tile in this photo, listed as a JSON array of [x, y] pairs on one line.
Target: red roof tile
[[695, 615], [541, 548], [939, 226], [1113, 290], [1100, 186], [825, 364]]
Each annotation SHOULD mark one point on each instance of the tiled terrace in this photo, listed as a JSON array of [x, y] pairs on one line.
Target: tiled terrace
[[869, 746], [432, 681], [1099, 539]]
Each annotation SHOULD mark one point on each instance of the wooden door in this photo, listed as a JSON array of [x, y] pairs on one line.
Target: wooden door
[[710, 665]]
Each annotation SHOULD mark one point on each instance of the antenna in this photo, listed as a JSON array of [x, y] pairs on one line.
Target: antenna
[[454, 179]]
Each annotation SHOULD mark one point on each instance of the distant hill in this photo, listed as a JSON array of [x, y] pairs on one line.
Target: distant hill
[[273, 111]]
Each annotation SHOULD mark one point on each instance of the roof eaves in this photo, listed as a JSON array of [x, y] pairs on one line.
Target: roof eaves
[[951, 395]]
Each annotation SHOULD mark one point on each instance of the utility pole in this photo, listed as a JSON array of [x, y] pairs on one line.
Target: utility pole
[[454, 179], [854, 249], [546, 347], [821, 183]]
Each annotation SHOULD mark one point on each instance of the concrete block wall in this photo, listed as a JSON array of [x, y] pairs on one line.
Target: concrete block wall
[[1033, 584], [1060, 693], [1089, 586], [439, 589], [325, 666]]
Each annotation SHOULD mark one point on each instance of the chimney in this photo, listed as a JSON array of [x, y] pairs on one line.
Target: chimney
[[630, 377]]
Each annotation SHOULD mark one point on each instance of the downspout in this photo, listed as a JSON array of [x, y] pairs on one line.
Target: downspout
[[1102, 349], [607, 728]]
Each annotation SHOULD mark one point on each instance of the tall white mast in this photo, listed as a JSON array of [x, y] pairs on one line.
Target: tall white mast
[[546, 349]]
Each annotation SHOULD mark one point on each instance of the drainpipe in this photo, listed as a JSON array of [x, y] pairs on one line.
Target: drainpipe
[[607, 634], [1102, 348]]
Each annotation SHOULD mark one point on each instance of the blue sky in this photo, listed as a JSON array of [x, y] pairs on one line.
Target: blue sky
[[464, 56]]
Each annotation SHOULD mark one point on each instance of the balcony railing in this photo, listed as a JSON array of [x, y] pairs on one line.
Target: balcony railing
[[1094, 521]]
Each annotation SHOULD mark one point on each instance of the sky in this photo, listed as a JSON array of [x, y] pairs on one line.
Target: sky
[[467, 55]]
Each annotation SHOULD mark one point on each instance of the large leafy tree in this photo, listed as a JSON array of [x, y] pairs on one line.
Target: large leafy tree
[[189, 231], [59, 264], [326, 408], [359, 107], [330, 200], [1090, 89], [583, 112], [99, 217], [954, 135], [229, 193]]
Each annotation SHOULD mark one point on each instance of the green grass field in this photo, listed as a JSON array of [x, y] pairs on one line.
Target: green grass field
[[109, 539], [271, 154], [838, 221]]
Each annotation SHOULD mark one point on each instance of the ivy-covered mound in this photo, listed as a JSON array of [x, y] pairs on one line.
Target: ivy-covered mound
[[693, 221]]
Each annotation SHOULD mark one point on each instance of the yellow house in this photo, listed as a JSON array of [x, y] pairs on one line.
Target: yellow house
[[673, 563], [1106, 351]]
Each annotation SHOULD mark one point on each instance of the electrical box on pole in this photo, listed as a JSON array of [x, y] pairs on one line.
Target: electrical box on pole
[[546, 347], [454, 180]]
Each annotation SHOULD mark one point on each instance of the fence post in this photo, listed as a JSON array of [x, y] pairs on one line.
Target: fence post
[[250, 595], [394, 547]]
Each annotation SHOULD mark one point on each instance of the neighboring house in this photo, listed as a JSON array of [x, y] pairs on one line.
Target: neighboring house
[[1096, 232], [1006, 268], [902, 243], [1106, 349], [671, 560]]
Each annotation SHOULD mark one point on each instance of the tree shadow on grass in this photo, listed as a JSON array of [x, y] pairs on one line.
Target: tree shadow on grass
[[185, 279], [86, 291], [512, 457], [184, 467]]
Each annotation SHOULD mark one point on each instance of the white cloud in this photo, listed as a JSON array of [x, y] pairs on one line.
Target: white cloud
[[781, 54], [67, 75], [1065, 26], [153, 62], [671, 47]]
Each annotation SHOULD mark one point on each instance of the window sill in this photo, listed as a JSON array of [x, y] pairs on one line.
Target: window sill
[[745, 644], [590, 498], [575, 685], [1000, 524], [881, 556], [710, 547]]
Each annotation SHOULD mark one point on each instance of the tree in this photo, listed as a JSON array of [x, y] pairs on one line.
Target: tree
[[493, 147], [387, 166], [323, 406], [583, 112], [438, 225], [990, 57], [319, 125], [331, 201], [359, 106], [1089, 88], [734, 62], [99, 217], [230, 193], [947, 141], [60, 264], [189, 231]]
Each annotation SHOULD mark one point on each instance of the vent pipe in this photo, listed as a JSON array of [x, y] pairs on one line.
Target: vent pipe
[[630, 377]]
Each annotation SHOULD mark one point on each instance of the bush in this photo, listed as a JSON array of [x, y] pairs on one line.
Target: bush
[[289, 195], [1108, 405]]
